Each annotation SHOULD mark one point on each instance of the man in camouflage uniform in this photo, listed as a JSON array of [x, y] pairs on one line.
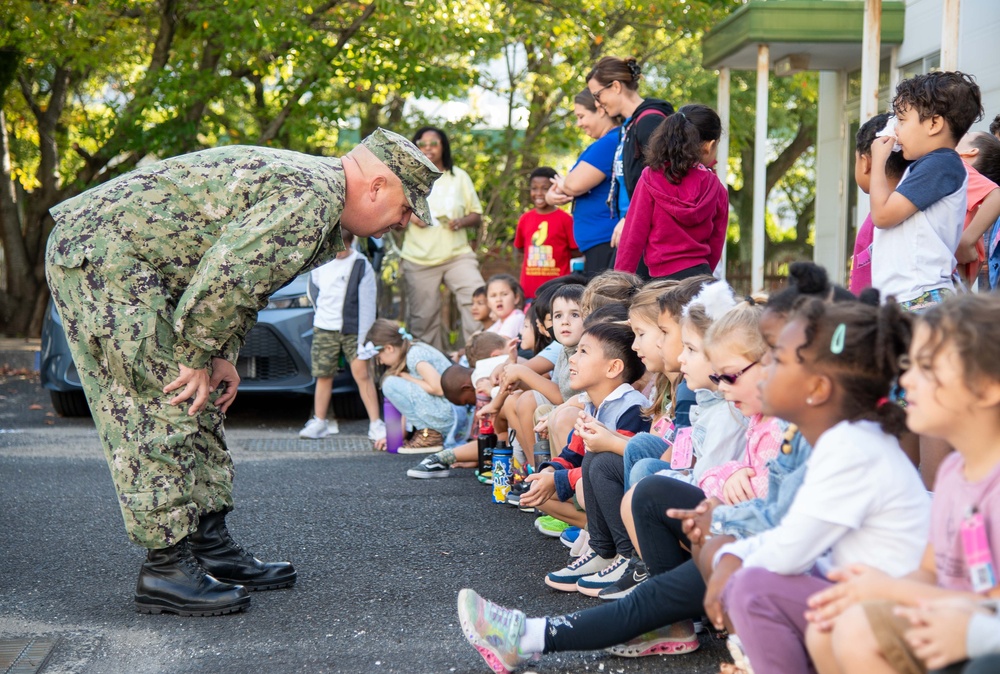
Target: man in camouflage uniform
[[158, 276]]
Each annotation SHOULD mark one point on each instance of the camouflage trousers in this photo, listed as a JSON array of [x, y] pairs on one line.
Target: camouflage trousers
[[168, 468]]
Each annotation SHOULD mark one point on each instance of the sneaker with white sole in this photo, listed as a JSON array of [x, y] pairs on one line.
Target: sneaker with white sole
[[550, 526], [376, 430], [674, 639], [593, 584], [332, 427], [635, 574], [581, 545], [492, 630], [566, 579], [431, 466], [315, 429], [568, 537]]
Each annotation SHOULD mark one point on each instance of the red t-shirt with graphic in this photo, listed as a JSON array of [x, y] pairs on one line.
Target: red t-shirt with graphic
[[547, 240]]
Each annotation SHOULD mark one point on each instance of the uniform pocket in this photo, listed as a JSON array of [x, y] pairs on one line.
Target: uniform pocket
[[124, 332]]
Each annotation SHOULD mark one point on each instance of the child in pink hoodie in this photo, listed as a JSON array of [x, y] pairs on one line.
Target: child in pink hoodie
[[679, 211]]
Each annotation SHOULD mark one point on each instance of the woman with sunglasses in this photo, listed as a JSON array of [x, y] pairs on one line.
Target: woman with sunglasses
[[438, 252], [614, 83]]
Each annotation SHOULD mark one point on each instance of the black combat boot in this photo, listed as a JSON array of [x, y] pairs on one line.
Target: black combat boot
[[225, 559], [172, 581]]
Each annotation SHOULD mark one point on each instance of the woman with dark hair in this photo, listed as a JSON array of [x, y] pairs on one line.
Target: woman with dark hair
[[588, 184], [438, 252], [614, 83]]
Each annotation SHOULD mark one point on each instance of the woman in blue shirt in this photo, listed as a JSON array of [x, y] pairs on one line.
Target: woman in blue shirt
[[588, 185]]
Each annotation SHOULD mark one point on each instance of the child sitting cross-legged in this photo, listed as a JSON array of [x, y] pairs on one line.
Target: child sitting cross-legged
[[953, 393]]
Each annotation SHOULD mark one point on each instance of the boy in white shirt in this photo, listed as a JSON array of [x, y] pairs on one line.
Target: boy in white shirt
[[344, 293], [918, 225]]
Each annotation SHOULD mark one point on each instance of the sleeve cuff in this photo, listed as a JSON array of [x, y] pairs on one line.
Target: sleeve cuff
[[191, 356], [564, 491]]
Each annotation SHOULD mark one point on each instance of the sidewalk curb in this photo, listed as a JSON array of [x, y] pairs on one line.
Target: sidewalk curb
[[19, 353]]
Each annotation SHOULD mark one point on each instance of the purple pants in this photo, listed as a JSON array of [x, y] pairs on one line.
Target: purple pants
[[768, 612]]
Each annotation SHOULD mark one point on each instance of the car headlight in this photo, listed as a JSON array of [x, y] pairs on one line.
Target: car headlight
[[299, 302]]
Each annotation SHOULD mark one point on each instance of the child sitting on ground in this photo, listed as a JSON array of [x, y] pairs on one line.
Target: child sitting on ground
[[830, 373], [412, 383], [480, 308], [603, 367], [506, 299], [544, 235], [952, 392]]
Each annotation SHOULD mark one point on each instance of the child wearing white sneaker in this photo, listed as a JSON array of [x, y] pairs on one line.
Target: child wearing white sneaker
[[344, 294]]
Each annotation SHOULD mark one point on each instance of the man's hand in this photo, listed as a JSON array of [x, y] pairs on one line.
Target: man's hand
[[194, 384], [224, 372]]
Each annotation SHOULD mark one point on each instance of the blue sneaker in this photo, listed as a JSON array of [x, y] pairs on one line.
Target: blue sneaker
[[569, 536], [566, 579]]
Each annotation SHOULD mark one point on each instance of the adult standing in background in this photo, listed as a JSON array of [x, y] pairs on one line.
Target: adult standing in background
[[434, 255], [614, 83], [588, 184]]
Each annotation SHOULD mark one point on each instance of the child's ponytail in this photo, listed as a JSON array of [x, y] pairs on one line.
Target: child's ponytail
[[862, 348], [676, 145]]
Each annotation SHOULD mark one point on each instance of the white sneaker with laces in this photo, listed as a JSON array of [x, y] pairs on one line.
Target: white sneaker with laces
[[315, 429], [593, 584], [376, 430]]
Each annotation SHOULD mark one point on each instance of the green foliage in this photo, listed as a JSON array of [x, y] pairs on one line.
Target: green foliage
[[100, 86]]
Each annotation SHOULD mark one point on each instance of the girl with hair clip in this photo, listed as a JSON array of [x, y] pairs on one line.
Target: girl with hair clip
[[412, 383], [830, 372], [938, 614], [680, 210]]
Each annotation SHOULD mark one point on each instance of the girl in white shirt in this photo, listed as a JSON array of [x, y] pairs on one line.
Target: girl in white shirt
[[830, 373]]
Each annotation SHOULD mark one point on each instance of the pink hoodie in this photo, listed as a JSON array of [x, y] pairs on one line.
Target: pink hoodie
[[676, 226]]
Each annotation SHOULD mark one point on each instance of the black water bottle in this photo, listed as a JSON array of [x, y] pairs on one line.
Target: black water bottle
[[485, 443]]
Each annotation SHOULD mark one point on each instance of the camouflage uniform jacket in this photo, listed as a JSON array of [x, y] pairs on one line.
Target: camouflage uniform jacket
[[205, 238]]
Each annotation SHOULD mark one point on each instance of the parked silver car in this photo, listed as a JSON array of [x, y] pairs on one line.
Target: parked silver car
[[275, 358]]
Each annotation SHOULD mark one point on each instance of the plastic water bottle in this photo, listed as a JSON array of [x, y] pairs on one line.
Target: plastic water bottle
[[393, 426], [485, 443], [503, 458]]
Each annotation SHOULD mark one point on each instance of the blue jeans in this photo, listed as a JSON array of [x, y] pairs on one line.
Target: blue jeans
[[642, 447]]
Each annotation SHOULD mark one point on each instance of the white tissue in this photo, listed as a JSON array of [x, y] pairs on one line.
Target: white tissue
[[890, 130]]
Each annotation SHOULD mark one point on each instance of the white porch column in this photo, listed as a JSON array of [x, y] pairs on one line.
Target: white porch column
[[722, 165], [760, 168], [871, 52], [833, 150], [949, 34]]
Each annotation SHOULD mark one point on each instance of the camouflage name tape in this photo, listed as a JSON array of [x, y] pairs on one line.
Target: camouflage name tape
[[415, 171]]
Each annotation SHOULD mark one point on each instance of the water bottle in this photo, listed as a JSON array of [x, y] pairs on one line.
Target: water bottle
[[485, 443], [393, 426], [503, 457], [542, 453]]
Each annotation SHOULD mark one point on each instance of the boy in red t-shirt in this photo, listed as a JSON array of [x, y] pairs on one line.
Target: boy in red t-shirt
[[544, 235]]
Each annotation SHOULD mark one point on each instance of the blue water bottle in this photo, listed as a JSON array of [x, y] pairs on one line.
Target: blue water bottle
[[503, 457]]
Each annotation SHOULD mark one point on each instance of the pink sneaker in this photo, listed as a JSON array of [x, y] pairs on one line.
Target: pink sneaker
[[492, 630], [674, 639]]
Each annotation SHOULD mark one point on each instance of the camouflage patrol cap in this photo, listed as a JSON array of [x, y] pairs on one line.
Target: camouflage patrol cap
[[414, 169]]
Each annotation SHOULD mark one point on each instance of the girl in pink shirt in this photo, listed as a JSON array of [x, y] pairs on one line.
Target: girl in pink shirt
[[952, 393], [679, 211]]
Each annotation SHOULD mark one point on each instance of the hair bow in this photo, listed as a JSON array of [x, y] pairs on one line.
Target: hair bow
[[368, 351], [405, 334]]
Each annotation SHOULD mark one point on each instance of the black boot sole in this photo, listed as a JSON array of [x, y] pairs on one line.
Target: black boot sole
[[156, 607], [249, 586]]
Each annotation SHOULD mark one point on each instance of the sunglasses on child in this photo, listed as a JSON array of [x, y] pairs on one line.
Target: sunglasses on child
[[729, 378]]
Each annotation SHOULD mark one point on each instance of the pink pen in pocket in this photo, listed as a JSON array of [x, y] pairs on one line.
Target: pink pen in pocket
[[978, 557]]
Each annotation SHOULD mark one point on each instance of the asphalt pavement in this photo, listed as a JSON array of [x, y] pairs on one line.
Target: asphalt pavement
[[380, 557]]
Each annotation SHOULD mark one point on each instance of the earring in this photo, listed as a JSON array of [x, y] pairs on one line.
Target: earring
[[809, 401]]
